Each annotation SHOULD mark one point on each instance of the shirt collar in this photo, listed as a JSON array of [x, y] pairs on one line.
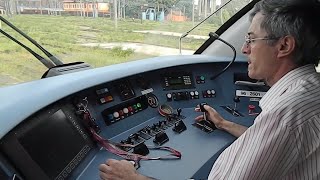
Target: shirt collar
[[282, 85]]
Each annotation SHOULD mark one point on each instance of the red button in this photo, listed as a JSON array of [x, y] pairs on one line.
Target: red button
[[251, 107], [121, 113]]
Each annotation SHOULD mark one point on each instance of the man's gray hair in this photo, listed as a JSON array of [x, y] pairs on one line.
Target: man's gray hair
[[297, 18]]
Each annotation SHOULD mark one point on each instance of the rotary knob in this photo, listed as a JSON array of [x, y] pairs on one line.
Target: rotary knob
[[196, 93]]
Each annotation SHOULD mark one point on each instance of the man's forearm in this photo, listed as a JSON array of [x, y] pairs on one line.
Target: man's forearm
[[233, 128]]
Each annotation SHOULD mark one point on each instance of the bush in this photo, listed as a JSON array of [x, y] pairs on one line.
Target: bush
[[119, 52]]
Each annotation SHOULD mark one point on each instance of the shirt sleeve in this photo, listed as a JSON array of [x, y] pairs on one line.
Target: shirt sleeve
[[265, 151]]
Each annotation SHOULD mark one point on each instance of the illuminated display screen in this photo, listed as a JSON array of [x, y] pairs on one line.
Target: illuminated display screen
[[175, 81]]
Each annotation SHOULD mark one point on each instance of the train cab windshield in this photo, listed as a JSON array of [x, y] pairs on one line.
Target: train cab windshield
[[103, 32], [185, 89]]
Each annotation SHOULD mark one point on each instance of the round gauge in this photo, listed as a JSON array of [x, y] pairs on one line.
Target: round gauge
[[152, 100]]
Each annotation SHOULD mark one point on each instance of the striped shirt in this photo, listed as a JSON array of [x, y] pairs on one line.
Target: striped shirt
[[284, 141]]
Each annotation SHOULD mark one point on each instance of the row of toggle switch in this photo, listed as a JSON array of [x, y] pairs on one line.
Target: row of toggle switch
[[152, 131]]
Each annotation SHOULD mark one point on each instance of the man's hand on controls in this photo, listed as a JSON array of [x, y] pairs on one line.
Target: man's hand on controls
[[212, 115], [114, 170]]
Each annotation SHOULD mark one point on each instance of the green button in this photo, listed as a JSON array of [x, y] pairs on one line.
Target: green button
[[135, 107], [202, 78], [138, 105]]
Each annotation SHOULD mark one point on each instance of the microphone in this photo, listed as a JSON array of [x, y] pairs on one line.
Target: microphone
[[215, 36]]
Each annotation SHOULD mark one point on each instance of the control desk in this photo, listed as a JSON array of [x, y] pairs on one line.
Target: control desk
[[155, 108]]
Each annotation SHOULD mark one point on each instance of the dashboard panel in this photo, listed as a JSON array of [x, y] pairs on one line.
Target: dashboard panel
[[131, 110]]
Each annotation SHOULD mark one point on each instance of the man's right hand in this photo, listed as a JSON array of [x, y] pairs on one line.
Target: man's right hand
[[221, 123], [119, 170], [212, 115]]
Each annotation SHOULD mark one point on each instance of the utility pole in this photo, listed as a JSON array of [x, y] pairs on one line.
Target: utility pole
[[81, 12], [213, 6], [94, 9], [17, 7], [199, 8], [205, 8], [115, 3], [119, 9], [124, 9], [193, 13], [41, 7], [7, 8]]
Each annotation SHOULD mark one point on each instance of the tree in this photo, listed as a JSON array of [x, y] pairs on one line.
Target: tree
[[234, 6], [187, 5], [134, 8], [167, 3], [8, 7]]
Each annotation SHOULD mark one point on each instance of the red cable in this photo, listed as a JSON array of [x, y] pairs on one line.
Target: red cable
[[112, 147]]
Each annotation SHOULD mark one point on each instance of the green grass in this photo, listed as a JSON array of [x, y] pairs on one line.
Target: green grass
[[63, 35]]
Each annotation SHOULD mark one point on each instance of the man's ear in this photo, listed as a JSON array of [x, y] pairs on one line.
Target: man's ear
[[286, 46]]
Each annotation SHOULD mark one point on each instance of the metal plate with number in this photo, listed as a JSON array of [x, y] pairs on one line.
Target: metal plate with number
[[245, 93]]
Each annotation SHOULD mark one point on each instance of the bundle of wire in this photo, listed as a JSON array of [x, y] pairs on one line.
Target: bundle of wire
[[114, 149]]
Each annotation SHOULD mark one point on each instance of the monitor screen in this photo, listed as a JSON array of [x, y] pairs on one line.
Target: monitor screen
[[53, 143]]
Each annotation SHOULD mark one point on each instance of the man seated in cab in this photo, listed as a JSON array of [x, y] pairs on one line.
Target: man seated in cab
[[283, 48]]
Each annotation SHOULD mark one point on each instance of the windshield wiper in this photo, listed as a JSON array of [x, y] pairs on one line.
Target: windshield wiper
[[43, 60], [54, 60], [54, 65]]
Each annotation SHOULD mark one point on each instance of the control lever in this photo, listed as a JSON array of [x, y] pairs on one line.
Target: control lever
[[236, 100], [141, 149], [202, 109], [178, 115], [179, 127], [179, 111], [161, 138], [205, 124], [129, 140]]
